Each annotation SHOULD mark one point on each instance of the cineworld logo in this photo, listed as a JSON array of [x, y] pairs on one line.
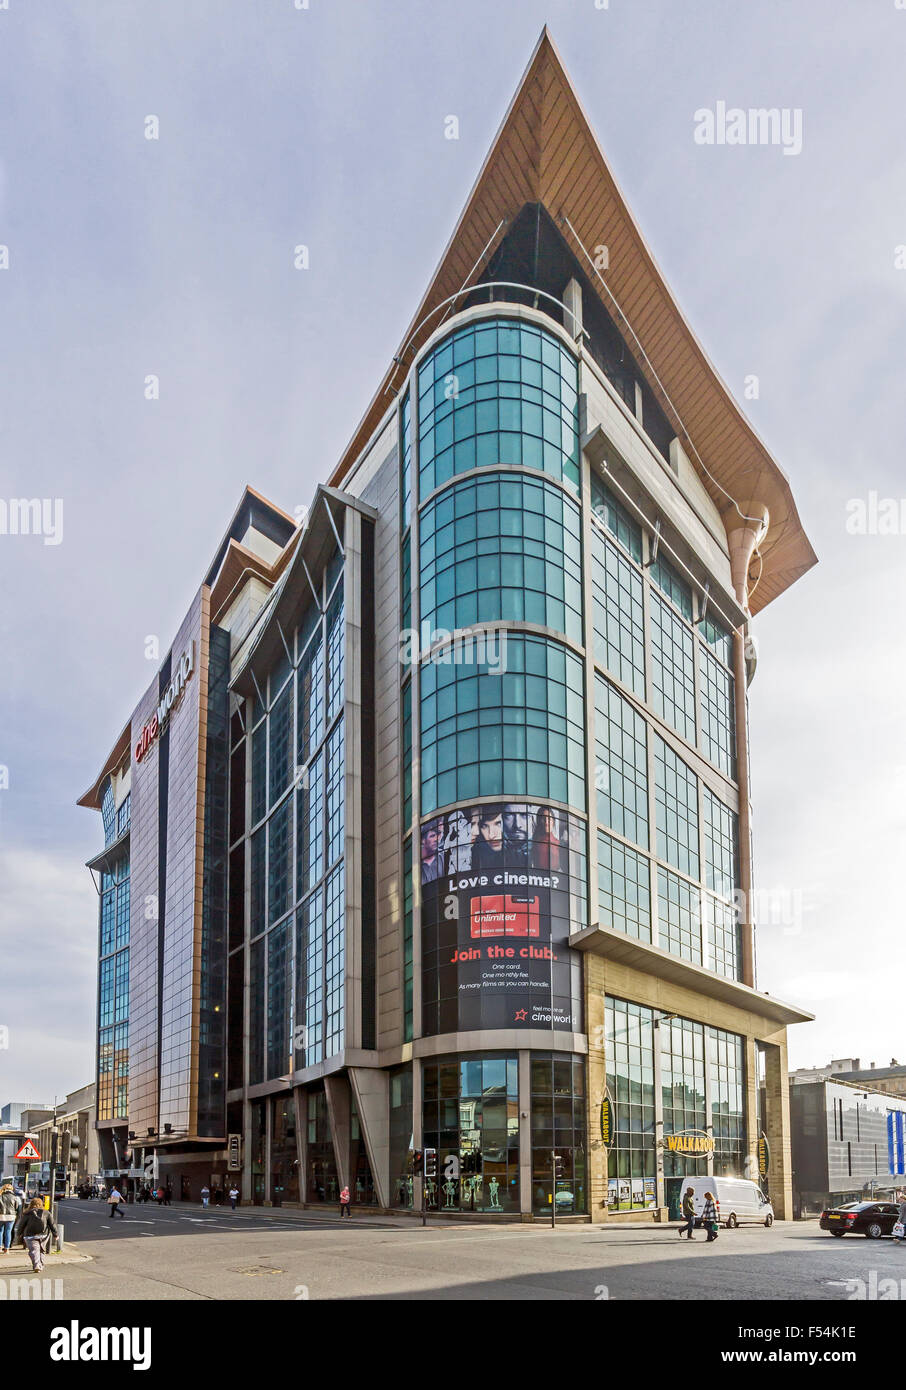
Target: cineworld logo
[[170, 698]]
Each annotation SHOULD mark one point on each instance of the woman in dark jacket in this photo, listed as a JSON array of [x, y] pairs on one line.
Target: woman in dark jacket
[[711, 1216], [33, 1228]]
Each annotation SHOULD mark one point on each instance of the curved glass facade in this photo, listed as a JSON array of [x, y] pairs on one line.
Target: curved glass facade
[[503, 882], [498, 392], [520, 733], [501, 549]]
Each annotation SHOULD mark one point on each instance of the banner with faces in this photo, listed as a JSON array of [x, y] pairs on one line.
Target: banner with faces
[[503, 885]]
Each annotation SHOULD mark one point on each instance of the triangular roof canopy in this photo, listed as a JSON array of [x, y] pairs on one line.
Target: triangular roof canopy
[[546, 152]]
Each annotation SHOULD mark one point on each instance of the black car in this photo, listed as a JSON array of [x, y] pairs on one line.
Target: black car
[[871, 1219]]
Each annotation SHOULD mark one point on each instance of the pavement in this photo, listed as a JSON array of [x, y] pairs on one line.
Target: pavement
[[17, 1261], [183, 1253]]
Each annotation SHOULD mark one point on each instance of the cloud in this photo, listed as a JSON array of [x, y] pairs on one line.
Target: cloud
[[49, 915]]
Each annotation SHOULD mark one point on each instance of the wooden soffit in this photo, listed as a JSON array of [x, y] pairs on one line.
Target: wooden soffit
[[546, 152]]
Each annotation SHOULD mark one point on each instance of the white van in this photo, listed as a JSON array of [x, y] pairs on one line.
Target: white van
[[739, 1200]]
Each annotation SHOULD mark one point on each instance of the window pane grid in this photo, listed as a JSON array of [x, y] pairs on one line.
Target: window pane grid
[[618, 624]]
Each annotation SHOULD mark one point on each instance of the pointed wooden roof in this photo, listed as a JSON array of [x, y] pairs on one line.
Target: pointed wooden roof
[[546, 152]]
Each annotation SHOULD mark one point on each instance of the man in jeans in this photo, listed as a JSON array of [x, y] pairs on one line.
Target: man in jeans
[[688, 1212], [115, 1199]]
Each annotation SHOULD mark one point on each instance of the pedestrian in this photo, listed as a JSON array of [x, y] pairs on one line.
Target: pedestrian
[[205, 1196], [688, 1213], [115, 1198], [345, 1204], [234, 1197], [9, 1212], [34, 1228], [168, 1193], [160, 1196], [901, 1217], [711, 1216]]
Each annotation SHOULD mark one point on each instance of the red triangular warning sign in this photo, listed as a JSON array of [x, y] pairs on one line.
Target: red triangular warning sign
[[28, 1150]]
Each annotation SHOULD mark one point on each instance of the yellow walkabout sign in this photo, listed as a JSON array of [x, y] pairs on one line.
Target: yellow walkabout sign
[[606, 1121], [689, 1143]]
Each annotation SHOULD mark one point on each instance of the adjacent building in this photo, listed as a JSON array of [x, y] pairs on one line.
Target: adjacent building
[[849, 1144], [432, 831], [891, 1079], [77, 1140], [11, 1119]]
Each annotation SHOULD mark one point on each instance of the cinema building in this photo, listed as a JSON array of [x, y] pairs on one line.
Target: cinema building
[[433, 830]]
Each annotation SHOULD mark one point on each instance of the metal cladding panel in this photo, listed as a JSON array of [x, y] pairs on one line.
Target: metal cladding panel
[[162, 915], [183, 890], [144, 921]]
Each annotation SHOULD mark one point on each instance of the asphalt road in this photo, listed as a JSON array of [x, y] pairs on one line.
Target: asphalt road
[[182, 1252]]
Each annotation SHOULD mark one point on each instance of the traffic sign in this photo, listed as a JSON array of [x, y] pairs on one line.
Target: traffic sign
[[28, 1150]]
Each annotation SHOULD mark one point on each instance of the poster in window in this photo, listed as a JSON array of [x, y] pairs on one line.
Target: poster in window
[[503, 887]]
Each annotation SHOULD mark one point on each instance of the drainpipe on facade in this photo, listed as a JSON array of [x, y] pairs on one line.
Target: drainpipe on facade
[[742, 537]]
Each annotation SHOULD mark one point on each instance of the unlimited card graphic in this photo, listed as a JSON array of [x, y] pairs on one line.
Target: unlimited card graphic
[[502, 914]]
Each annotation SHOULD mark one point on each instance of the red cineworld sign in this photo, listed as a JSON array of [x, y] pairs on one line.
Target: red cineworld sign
[[168, 701]]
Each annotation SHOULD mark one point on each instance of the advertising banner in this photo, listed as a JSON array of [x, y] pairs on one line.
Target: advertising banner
[[503, 886]]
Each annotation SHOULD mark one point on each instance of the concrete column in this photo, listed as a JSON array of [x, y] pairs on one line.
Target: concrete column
[[777, 1128], [656, 1056], [371, 1088], [525, 1136], [336, 1089], [300, 1101], [596, 1084], [245, 1180], [750, 1104], [269, 1135]]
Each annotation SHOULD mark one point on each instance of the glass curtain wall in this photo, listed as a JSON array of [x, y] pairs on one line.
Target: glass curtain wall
[[113, 975], [295, 750], [701, 1090], [471, 1117], [686, 667]]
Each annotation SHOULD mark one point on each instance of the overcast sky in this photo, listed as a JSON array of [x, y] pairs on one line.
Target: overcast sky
[[281, 125]]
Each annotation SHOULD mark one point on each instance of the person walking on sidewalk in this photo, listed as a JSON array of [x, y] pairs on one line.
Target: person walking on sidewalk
[[345, 1204], [710, 1216], [34, 1228], [115, 1200], [205, 1196], [688, 1213], [234, 1197], [901, 1219], [9, 1211]]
